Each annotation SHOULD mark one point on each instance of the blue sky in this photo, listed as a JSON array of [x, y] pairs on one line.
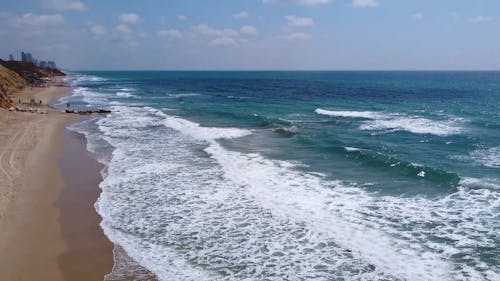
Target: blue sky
[[255, 34]]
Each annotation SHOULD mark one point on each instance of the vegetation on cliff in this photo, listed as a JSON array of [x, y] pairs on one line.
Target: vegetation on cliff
[[31, 73], [15, 75], [10, 82]]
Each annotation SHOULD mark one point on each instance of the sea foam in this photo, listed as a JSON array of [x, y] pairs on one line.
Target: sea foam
[[204, 133], [226, 215], [488, 157], [187, 208], [351, 114], [124, 94], [390, 122]]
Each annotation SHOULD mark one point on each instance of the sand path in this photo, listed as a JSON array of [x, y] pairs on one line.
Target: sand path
[[30, 182]]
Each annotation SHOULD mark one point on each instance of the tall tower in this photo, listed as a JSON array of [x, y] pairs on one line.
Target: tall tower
[[51, 64]]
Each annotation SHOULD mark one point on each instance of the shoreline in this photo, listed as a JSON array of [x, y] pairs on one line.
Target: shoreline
[[41, 238], [89, 254]]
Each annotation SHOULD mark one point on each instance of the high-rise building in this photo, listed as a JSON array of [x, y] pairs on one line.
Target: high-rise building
[[51, 64], [11, 57], [43, 64], [29, 57], [24, 58]]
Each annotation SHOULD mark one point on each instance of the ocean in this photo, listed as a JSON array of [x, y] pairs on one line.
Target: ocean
[[299, 175]]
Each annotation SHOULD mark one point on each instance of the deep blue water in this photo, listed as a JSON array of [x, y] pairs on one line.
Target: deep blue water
[[300, 175]]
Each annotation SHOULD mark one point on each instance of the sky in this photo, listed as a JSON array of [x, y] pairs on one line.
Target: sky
[[255, 34]]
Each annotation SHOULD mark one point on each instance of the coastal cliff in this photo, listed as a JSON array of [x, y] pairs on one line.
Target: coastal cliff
[[10, 82], [15, 76]]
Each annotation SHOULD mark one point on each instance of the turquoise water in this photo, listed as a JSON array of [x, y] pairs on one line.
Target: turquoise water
[[299, 175]]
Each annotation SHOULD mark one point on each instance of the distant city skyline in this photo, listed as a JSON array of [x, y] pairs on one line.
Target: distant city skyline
[[28, 57], [256, 34]]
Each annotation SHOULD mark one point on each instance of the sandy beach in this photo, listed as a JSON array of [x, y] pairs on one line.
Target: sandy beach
[[49, 226]]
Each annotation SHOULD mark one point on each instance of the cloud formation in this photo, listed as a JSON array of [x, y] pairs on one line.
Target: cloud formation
[[172, 33], [64, 5], [39, 20], [418, 16], [299, 2], [365, 3], [182, 17], [223, 41], [97, 30], [480, 19], [130, 18], [210, 35], [296, 36], [241, 15], [248, 30], [295, 21], [207, 30], [31, 25], [123, 29]]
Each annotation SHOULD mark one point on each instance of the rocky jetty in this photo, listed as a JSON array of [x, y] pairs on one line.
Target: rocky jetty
[[84, 112]]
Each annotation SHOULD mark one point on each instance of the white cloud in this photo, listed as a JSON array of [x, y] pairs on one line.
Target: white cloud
[[299, 2], [130, 18], [182, 17], [293, 20], [122, 33], [248, 30], [204, 29], [173, 33], [456, 16], [365, 3], [98, 30], [64, 5], [41, 20], [296, 36], [241, 15], [480, 19], [32, 25], [56, 47], [123, 29], [223, 41], [418, 16]]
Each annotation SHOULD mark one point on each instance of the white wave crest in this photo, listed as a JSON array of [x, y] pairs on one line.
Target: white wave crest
[[79, 79], [487, 157], [351, 114], [124, 94], [488, 183], [91, 97], [185, 95], [390, 122], [414, 125], [225, 215], [204, 133], [125, 89]]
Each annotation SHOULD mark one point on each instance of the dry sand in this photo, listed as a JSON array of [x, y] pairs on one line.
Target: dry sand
[[36, 241]]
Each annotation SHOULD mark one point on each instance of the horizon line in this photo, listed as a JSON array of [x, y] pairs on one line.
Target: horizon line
[[292, 70]]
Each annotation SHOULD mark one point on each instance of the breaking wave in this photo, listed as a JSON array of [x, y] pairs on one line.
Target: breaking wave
[[390, 122]]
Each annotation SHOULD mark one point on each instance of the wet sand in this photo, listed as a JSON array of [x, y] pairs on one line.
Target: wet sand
[[89, 254]]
